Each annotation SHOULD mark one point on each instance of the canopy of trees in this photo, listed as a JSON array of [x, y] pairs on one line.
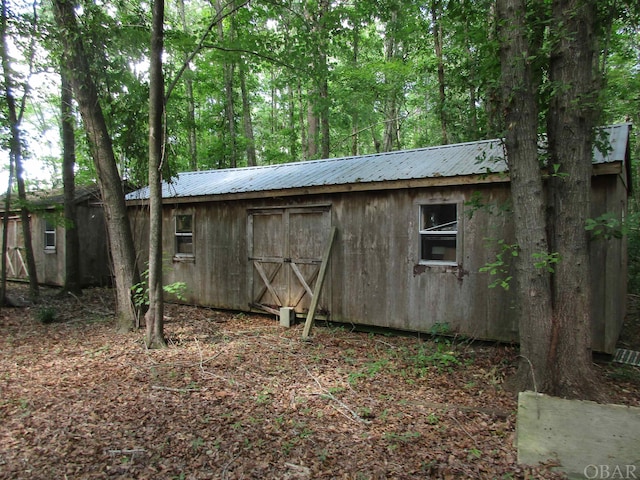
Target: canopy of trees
[[268, 82]]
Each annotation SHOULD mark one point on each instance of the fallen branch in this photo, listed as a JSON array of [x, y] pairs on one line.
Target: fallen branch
[[178, 390], [326, 393], [131, 452]]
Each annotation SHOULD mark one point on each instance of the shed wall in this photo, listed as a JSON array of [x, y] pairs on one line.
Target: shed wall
[[375, 276], [50, 263]]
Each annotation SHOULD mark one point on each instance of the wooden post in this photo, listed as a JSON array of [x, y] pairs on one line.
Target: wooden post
[[318, 286]]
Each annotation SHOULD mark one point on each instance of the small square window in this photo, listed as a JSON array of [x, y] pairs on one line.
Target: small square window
[[49, 235], [439, 233], [184, 234]]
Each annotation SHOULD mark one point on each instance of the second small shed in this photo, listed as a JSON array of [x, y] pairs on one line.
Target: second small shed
[[47, 238], [414, 229]]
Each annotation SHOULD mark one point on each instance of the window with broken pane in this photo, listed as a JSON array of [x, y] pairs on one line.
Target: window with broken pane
[[439, 233]]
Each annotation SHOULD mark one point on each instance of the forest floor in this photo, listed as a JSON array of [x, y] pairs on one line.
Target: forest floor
[[236, 396]]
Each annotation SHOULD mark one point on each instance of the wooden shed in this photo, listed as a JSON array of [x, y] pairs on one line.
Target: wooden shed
[[413, 228], [47, 234]]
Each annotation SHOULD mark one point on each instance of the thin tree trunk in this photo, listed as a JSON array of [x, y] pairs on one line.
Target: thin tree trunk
[[72, 274], [291, 124], [303, 126], [355, 117], [246, 118], [570, 125], [228, 69], [313, 134], [118, 226], [5, 235], [191, 108], [391, 139], [155, 315], [437, 41], [15, 154]]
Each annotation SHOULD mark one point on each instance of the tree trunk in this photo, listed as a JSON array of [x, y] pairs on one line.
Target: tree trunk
[[15, 155], [390, 138], [553, 268], [72, 278], [303, 127], [188, 86], [291, 123], [570, 126], [519, 105], [312, 133], [228, 69], [355, 115], [5, 236], [437, 42], [155, 314], [118, 226], [246, 118]]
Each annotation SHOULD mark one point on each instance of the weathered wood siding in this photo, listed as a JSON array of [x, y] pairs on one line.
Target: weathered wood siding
[[608, 265], [375, 276], [378, 277], [50, 263]]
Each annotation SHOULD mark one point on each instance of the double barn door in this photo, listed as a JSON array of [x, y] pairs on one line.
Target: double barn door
[[285, 251]]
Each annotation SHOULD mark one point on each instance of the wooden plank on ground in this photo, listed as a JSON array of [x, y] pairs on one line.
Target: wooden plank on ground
[[318, 287]]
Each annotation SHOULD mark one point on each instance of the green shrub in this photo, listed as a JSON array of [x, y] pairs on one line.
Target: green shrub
[[46, 315]]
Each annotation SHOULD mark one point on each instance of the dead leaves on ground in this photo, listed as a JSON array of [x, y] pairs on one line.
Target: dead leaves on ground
[[236, 396]]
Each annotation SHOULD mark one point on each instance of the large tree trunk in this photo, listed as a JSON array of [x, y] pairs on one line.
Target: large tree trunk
[[15, 155], [570, 126], [72, 279], [553, 268], [155, 314], [519, 105], [118, 226]]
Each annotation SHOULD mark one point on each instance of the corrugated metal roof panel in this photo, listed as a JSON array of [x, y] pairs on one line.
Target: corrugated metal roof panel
[[463, 159]]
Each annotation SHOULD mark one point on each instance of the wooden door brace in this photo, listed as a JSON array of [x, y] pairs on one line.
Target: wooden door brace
[[318, 286]]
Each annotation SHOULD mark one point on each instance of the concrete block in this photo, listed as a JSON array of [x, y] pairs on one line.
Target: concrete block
[[287, 316], [588, 440]]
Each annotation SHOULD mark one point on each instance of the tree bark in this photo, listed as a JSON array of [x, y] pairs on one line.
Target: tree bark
[[553, 268], [15, 154], [228, 69], [519, 105], [246, 117], [72, 274], [390, 138], [570, 128], [437, 42], [118, 226], [188, 86], [155, 314]]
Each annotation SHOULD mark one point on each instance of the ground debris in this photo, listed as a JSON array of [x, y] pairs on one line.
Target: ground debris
[[235, 396]]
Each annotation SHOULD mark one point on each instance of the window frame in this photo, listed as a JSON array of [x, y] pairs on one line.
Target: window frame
[[50, 233], [177, 235], [434, 234]]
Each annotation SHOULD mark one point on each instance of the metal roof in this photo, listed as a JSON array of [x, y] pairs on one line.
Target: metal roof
[[458, 160]]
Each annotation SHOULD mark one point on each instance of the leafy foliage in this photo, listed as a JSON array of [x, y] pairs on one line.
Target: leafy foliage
[[500, 267], [140, 291]]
